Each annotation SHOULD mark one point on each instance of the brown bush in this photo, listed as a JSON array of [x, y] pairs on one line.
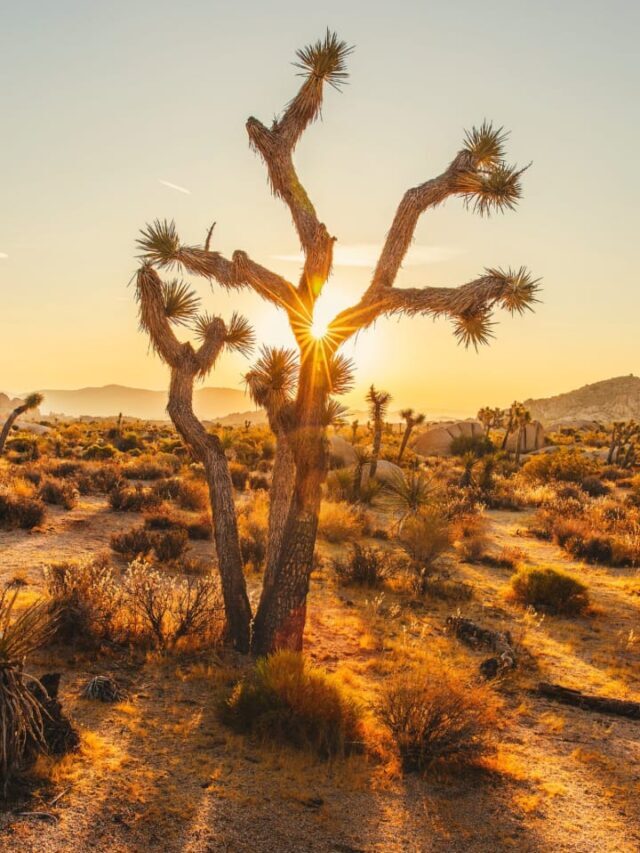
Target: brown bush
[[166, 544], [364, 567], [435, 718], [59, 492]]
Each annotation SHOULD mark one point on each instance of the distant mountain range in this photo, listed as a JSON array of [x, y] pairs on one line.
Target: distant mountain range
[[110, 400], [616, 399]]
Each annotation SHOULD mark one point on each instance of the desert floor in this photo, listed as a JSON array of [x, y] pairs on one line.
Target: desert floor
[[159, 772]]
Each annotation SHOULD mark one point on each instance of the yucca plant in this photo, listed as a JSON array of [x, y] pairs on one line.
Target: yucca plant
[[411, 420], [22, 714]]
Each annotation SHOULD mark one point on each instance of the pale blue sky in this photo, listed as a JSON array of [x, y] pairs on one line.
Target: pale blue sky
[[103, 100]]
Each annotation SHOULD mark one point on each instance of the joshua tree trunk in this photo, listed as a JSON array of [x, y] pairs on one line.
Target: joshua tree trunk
[[6, 429], [375, 450], [281, 615], [403, 444], [208, 450]]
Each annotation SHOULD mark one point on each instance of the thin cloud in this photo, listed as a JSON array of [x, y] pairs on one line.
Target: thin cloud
[[174, 187], [367, 254]]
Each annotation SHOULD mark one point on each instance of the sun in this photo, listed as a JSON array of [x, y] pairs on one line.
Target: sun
[[319, 328]]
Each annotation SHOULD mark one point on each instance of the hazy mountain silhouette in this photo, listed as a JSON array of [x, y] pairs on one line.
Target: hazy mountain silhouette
[[616, 399], [109, 400]]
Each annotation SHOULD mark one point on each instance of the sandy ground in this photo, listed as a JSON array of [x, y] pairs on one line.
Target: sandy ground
[[158, 772]]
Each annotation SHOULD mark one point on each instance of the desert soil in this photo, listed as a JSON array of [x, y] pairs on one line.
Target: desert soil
[[158, 772]]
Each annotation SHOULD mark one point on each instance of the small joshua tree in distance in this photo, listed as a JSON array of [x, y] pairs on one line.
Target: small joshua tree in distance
[[32, 401]]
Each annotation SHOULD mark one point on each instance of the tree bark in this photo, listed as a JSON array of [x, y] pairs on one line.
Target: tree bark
[[209, 452], [281, 615], [375, 451], [6, 429], [404, 442]]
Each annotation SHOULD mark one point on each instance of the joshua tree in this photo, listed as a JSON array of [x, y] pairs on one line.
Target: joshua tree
[[411, 420], [30, 402], [509, 421], [354, 430], [477, 174], [522, 418], [378, 404], [490, 419], [623, 433]]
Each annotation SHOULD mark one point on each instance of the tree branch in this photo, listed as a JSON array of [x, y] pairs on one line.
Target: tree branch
[[468, 305], [153, 318]]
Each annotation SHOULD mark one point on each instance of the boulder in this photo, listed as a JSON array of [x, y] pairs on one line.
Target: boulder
[[385, 471], [342, 452], [574, 424], [533, 438], [436, 441]]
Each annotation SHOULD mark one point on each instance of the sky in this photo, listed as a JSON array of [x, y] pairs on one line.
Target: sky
[[116, 113]]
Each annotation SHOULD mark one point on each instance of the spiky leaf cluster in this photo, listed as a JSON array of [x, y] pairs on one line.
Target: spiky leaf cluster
[[180, 301], [159, 243], [325, 60]]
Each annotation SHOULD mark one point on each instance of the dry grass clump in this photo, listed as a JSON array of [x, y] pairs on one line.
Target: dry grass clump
[[239, 475], [550, 590], [124, 498], [87, 598], [187, 492], [437, 719], [147, 468], [166, 518], [424, 537], [19, 507], [471, 538], [367, 567], [165, 544], [97, 478], [339, 522], [253, 521], [58, 492], [286, 699]]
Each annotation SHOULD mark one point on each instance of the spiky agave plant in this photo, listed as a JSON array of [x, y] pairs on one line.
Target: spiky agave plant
[[21, 711]]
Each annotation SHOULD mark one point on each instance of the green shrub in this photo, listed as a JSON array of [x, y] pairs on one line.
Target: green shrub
[[285, 699], [99, 452], [550, 590], [436, 718]]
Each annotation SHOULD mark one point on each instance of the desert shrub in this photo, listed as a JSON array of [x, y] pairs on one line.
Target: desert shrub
[[58, 492], [22, 713], [167, 544], [64, 470], [124, 498], [98, 478], [438, 719], [264, 466], [22, 448], [425, 536], [258, 482], [86, 597], [146, 468], [285, 699], [567, 464], [594, 487], [164, 518], [339, 485], [129, 441], [188, 493], [19, 507], [472, 539], [364, 567], [478, 445], [239, 475], [252, 529], [166, 610], [247, 454], [338, 522], [550, 590], [99, 452]]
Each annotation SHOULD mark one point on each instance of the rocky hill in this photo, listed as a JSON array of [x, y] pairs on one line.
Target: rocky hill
[[610, 400]]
